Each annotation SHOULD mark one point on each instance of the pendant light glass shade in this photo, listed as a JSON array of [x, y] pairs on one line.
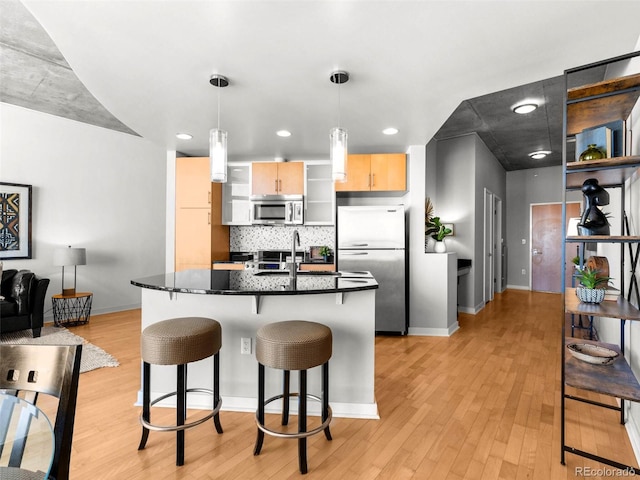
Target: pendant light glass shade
[[218, 155], [338, 153], [338, 136], [218, 139]]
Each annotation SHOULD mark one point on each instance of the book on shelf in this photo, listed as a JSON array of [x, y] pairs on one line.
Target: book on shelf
[[609, 138], [611, 294]]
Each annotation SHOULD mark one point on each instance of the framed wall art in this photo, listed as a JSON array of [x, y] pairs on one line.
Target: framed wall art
[[15, 221]]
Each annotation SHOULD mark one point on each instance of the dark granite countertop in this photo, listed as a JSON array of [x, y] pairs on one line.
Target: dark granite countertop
[[224, 282]]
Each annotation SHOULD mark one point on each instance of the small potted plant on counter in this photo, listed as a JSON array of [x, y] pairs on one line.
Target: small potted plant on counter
[[592, 288], [325, 252]]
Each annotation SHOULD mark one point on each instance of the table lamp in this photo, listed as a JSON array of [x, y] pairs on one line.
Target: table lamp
[[66, 257]]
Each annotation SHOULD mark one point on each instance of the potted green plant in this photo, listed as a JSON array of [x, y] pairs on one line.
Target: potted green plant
[[438, 231], [325, 252], [592, 286]]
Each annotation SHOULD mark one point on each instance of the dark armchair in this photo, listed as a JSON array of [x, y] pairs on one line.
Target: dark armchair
[[23, 304]]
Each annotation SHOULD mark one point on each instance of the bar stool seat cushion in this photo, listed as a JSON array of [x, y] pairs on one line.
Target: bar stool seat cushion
[[293, 345], [180, 341]]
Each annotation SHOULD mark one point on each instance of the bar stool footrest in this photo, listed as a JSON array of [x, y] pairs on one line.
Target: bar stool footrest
[[175, 428], [281, 434]]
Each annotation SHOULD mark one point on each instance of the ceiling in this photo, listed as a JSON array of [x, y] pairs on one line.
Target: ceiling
[[428, 68]]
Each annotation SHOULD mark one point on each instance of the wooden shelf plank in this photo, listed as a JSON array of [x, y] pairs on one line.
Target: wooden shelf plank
[[597, 111], [621, 309], [606, 86], [609, 171], [603, 239], [616, 380]]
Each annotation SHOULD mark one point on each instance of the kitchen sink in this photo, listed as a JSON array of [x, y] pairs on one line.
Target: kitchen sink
[[311, 273]]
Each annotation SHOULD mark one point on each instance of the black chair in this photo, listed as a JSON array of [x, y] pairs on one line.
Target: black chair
[[29, 370]]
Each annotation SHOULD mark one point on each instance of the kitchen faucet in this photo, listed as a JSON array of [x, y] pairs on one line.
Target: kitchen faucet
[[292, 266]]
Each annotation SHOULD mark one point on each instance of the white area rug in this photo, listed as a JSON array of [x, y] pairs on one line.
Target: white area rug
[[92, 357]]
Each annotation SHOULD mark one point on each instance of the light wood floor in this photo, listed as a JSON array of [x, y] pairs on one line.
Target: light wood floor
[[482, 404]]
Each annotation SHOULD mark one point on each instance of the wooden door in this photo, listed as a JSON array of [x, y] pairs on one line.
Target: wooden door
[[291, 178], [193, 238], [358, 174], [219, 233], [388, 172], [264, 178], [546, 246], [193, 182]]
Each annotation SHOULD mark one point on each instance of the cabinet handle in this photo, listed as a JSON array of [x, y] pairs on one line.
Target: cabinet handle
[[369, 181], [208, 218], [276, 185], [373, 179], [209, 193], [280, 185]]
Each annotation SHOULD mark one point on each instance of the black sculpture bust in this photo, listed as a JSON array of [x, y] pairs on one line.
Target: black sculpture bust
[[593, 221]]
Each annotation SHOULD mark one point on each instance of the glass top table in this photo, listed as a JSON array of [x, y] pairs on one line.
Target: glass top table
[[26, 440]]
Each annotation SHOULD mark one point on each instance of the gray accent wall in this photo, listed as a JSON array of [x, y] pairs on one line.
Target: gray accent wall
[[525, 187]]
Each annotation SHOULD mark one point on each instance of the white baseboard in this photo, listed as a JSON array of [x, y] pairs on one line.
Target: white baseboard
[[634, 436], [433, 332], [518, 287], [48, 317]]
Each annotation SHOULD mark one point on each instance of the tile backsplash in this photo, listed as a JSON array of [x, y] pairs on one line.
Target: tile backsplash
[[253, 238]]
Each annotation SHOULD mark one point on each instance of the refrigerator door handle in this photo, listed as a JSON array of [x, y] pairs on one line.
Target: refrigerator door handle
[[356, 245], [353, 253]]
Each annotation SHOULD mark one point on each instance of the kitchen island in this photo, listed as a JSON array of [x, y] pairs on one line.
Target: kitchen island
[[243, 301]]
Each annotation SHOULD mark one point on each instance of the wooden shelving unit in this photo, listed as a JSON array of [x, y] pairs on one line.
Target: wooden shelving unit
[[585, 107]]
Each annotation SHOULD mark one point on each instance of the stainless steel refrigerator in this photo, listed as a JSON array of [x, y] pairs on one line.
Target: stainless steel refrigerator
[[372, 238]]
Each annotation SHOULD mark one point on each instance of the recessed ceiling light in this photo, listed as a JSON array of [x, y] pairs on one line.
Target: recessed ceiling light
[[539, 154], [184, 136], [283, 133], [390, 131], [525, 108]]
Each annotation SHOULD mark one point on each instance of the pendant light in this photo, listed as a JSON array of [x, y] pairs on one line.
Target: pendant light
[[338, 136], [218, 139]]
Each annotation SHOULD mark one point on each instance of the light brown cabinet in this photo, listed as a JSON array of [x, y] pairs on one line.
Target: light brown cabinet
[[377, 172], [200, 237], [277, 178]]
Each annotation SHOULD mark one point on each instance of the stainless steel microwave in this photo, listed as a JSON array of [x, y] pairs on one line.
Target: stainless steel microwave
[[277, 210]]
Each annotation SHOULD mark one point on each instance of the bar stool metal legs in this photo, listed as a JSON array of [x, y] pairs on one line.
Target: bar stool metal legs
[[293, 345], [179, 342]]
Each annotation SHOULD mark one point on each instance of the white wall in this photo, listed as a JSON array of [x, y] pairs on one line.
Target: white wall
[[92, 188], [432, 276], [464, 168], [489, 174]]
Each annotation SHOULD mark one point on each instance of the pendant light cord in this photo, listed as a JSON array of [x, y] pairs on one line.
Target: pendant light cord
[[339, 104], [219, 88]]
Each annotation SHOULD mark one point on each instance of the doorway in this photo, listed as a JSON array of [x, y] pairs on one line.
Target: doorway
[[493, 244], [546, 246]]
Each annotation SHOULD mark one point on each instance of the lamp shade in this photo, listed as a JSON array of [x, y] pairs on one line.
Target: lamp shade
[[67, 256], [338, 153], [218, 155]]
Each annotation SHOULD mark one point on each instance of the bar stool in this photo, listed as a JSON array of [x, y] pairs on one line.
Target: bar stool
[[179, 341], [293, 345]]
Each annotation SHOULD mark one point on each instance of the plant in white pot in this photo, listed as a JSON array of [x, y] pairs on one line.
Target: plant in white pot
[[438, 231], [592, 286]]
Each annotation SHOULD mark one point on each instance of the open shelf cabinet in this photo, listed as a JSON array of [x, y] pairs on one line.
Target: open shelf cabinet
[[586, 107]]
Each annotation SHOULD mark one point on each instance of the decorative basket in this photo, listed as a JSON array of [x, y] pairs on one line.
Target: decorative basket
[[590, 295]]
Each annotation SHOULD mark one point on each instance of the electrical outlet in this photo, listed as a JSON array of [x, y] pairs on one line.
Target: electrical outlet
[[524, 272], [245, 346]]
